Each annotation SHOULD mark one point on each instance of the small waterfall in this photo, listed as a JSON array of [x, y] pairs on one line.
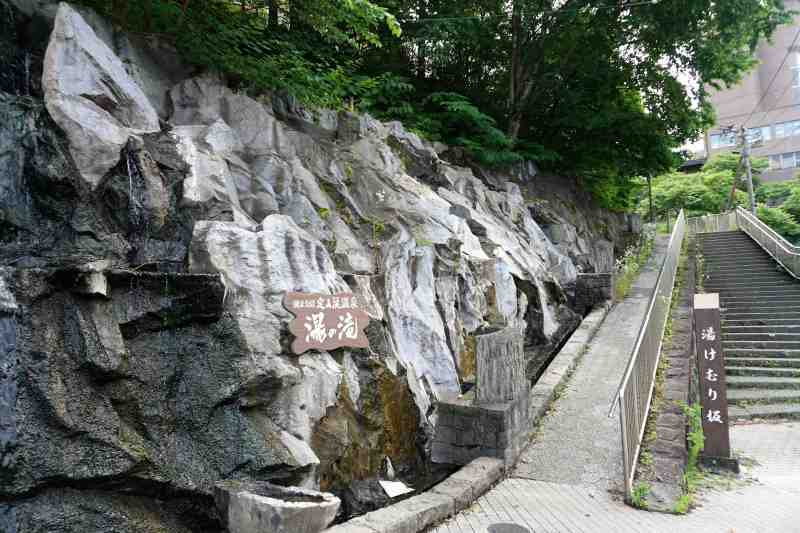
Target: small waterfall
[[27, 76], [8, 392], [136, 218], [8, 384]]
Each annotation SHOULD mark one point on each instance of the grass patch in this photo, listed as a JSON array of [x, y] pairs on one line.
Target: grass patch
[[639, 495], [628, 266], [692, 475]]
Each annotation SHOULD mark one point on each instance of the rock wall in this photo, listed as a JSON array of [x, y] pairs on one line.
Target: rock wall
[[151, 219]]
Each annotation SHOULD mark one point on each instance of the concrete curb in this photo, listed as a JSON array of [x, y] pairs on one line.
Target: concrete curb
[[447, 498], [458, 491]]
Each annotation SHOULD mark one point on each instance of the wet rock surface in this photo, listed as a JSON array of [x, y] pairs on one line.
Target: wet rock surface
[[150, 223]]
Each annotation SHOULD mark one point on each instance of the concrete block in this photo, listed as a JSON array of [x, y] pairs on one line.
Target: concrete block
[[481, 473], [458, 489], [411, 515], [429, 508], [261, 507], [351, 526]]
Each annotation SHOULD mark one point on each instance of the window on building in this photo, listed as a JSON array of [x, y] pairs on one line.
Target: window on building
[[761, 133], [722, 140], [796, 77], [787, 160], [787, 129]]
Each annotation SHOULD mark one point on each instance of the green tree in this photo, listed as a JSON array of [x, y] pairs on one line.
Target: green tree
[[309, 48], [781, 221], [590, 87], [707, 191]]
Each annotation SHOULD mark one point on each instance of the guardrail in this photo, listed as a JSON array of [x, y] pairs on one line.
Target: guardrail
[[784, 252], [636, 389], [713, 223]]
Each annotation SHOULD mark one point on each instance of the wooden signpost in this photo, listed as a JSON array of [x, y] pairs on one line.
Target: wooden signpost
[[711, 371], [326, 321]]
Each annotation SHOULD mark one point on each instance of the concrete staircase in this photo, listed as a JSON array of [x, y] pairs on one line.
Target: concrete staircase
[[760, 325]]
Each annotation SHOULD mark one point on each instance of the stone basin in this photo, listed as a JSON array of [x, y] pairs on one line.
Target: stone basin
[[261, 507]]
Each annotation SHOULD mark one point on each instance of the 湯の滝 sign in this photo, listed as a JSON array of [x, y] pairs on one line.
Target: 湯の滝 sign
[[326, 321]]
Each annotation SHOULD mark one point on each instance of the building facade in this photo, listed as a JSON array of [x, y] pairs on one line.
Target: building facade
[[767, 103]]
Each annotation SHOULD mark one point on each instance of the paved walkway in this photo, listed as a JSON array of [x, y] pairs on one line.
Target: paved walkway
[[570, 477], [578, 443], [768, 500]]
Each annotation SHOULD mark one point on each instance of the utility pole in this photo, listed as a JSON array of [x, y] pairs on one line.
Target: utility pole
[[747, 169]]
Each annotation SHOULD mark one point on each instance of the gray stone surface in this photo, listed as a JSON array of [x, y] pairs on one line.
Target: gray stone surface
[[501, 366], [251, 507], [592, 289], [91, 97], [163, 383]]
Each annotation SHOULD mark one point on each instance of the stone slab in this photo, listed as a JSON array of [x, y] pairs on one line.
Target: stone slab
[[419, 512]]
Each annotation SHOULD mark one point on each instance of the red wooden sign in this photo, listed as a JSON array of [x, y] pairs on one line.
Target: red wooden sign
[[326, 321]]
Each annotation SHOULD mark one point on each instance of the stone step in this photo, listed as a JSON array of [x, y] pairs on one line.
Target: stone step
[[760, 345], [768, 322], [766, 270], [734, 285], [723, 234], [762, 352], [770, 411], [757, 268], [753, 293], [764, 306], [732, 316], [730, 251], [745, 276], [734, 259], [764, 329], [762, 336], [761, 371], [767, 362], [727, 248], [759, 382], [736, 305], [733, 298], [762, 396], [737, 312]]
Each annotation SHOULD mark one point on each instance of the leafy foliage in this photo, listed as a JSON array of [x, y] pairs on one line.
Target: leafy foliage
[[781, 221], [708, 191], [703, 192], [592, 86], [583, 88], [311, 54]]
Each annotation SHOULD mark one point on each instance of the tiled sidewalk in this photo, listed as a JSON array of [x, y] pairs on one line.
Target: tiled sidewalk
[[769, 501]]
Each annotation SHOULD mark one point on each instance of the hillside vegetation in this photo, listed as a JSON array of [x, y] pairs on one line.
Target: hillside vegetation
[[711, 191], [581, 87]]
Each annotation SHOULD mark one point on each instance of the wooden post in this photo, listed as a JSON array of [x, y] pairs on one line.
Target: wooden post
[[711, 369]]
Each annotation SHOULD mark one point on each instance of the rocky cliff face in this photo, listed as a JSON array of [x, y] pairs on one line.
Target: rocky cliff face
[[151, 219]]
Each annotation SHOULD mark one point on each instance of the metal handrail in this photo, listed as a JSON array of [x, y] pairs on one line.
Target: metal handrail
[[784, 252], [636, 388]]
